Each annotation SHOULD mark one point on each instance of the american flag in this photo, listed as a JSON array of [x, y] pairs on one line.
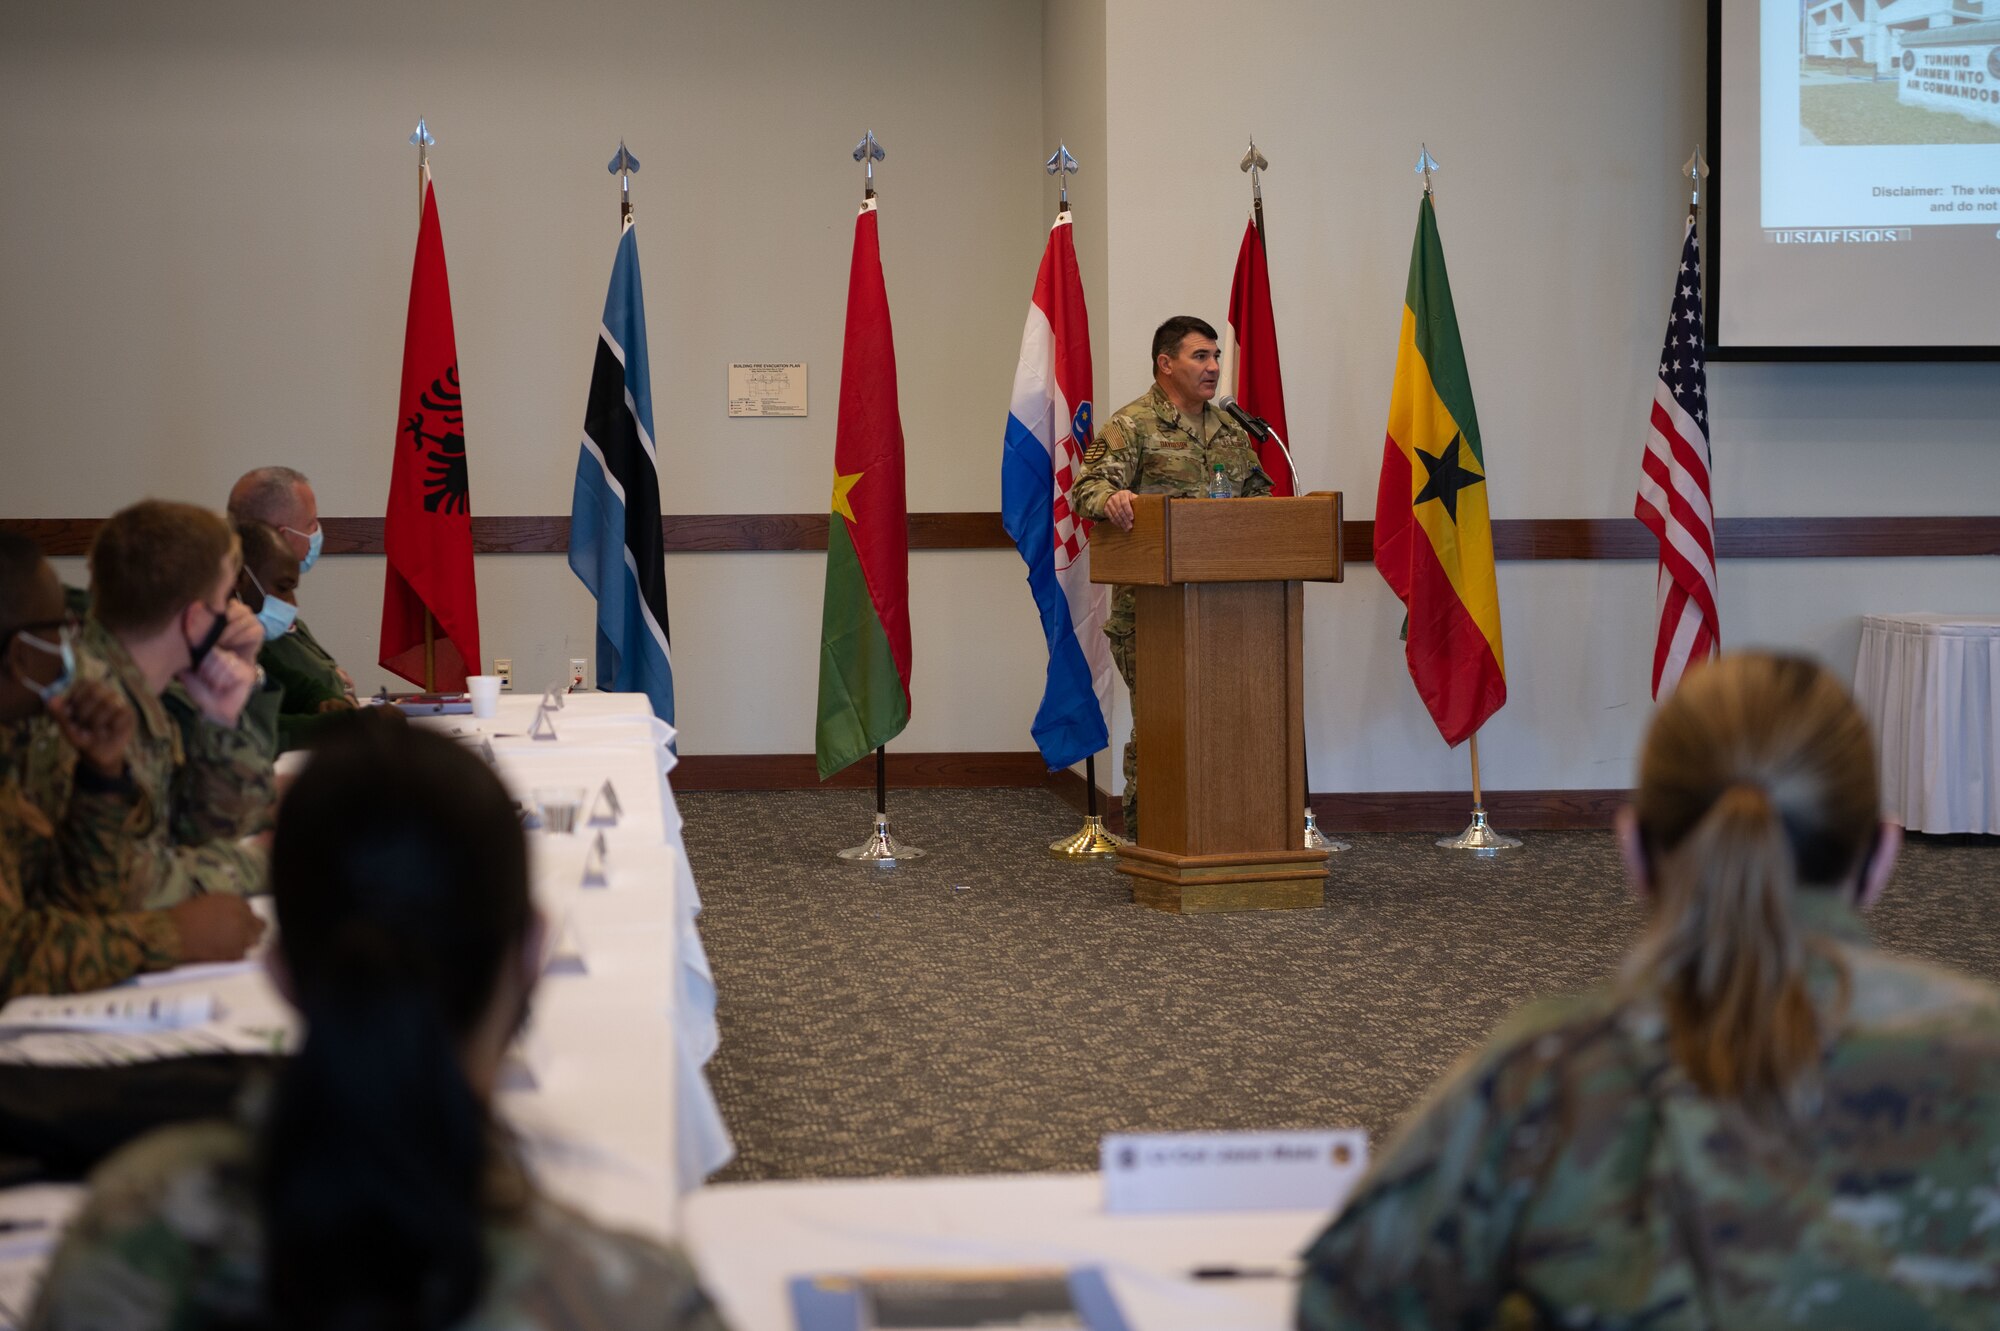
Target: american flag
[[1673, 485]]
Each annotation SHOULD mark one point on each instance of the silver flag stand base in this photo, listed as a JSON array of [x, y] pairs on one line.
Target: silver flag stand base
[[1318, 840], [1479, 838], [1094, 841], [880, 849]]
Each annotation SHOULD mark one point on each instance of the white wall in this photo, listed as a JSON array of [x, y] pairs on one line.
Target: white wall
[[206, 233]]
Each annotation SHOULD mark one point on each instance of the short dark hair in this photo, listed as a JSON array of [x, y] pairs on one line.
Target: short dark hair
[[1167, 338], [152, 560], [263, 543], [20, 566]]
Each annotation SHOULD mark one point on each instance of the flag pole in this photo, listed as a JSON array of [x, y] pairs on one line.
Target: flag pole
[[1478, 836], [423, 140], [1092, 841], [880, 849]]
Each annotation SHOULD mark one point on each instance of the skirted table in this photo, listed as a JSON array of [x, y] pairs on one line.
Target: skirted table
[[1930, 685]]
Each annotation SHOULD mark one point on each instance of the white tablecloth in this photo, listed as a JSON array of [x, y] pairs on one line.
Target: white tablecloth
[[749, 1239], [1930, 685]]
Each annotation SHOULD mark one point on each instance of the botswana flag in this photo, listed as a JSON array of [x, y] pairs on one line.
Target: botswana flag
[[614, 522]]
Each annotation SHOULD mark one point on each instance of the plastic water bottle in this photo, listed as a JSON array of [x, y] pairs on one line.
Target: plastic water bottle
[[1218, 484]]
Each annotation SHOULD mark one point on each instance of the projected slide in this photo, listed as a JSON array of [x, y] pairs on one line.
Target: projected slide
[[1859, 174], [1889, 117]]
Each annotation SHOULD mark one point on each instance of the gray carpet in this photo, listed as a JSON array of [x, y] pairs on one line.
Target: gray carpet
[[989, 1008]]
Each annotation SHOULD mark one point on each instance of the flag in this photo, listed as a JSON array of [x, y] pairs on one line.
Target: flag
[[864, 646], [614, 512], [1673, 497], [1260, 385], [1048, 429], [427, 531], [1433, 537]]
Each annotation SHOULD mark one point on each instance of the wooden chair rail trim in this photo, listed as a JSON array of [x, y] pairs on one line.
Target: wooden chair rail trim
[[1514, 539]]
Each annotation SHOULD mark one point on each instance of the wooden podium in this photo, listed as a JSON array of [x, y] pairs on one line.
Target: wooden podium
[[1220, 711]]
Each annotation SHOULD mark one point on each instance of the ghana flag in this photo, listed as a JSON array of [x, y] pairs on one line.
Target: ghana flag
[[864, 645], [1433, 537]]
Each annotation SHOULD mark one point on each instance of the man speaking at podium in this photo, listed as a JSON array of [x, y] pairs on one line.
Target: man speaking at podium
[[1170, 442]]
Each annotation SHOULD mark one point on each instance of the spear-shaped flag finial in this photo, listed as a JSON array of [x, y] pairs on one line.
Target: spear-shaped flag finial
[[1256, 164], [422, 137], [868, 152], [1425, 165], [1695, 169], [422, 141], [624, 165], [1062, 166]]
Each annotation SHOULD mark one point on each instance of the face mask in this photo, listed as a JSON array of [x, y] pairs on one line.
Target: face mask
[[313, 544], [276, 617], [58, 686], [198, 651]]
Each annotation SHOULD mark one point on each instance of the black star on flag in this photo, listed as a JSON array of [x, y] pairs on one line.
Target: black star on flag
[[1446, 477]]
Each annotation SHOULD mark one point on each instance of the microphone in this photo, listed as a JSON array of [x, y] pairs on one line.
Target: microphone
[[1260, 430], [1254, 424]]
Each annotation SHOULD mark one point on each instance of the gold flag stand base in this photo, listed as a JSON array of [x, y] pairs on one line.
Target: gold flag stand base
[[1094, 841]]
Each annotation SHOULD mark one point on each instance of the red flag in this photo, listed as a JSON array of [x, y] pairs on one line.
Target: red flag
[[1260, 386], [427, 532], [864, 653]]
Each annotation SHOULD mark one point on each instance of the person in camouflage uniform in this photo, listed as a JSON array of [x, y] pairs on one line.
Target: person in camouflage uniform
[[1766, 1122], [64, 926], [1168, 442], [167, 631], [372, 1186]]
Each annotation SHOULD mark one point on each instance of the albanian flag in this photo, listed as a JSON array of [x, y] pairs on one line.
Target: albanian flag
[[427, 532], [1260, 384], [864, 648]]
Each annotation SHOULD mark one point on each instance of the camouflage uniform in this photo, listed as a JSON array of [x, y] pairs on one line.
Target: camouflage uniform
[[53, 938], [307, 677], [1569, 1175], [205, 787], [170, 1238], [1150, 448]]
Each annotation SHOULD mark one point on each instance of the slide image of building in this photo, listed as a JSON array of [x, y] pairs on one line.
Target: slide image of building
[[1899, 72]]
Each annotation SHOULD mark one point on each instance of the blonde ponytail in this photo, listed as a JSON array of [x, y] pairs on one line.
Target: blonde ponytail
[[1757, 781]]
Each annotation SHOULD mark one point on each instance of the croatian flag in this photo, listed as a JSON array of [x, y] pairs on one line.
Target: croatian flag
[[1048, 428], [614, 526]]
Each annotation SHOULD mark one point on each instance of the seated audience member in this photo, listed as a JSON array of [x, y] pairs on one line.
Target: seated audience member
[[283, 498], [163, 612], [1766, 1122], [376, 1188], [63, 922], [307, 680]]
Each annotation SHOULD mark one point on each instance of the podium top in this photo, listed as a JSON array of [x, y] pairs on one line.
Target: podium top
[[1294, 539]]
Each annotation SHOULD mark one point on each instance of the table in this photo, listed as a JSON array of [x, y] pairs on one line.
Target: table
[[1930, 685], [749, 1239], [606, 1085]]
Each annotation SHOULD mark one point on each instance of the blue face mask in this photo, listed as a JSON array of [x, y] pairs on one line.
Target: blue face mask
[[276, 617], [313, 544], [62, 648]]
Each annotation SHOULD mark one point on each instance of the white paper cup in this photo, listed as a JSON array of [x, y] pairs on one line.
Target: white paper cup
[[485, 691]]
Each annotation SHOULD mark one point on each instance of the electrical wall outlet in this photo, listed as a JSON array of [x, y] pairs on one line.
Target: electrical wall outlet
[[503, 666], [579, 667]]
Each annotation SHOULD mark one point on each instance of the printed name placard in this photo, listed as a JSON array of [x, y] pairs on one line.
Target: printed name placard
[[1231, 1171]]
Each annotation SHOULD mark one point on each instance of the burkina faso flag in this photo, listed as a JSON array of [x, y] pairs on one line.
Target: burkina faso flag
[[864, 649], [1433, 535]]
